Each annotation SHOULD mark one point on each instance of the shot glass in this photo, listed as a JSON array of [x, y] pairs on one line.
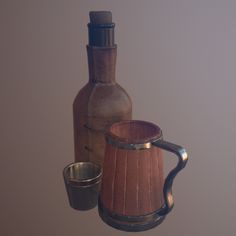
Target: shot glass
[[82, 182]]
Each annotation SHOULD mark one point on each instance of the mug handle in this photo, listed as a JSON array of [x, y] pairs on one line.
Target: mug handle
[[182, 160]]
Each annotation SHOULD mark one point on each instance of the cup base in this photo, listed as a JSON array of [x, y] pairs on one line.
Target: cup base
[[129, 223]]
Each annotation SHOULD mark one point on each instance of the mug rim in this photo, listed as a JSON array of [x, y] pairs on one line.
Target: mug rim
[[139, 143]]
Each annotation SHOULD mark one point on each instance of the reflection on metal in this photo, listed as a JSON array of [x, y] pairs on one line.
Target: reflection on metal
[[182, 161], [82, 182], [129, 146]]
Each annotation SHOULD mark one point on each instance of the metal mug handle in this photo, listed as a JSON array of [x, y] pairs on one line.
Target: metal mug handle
[[182, 160]]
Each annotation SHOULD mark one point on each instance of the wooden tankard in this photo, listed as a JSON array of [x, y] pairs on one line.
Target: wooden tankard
[[134, 195]]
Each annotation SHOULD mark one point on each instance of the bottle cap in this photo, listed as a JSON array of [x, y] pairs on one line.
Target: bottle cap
[[100, 17], [101, 29]]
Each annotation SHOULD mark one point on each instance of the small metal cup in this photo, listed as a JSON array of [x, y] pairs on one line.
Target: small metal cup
[[82, 181]]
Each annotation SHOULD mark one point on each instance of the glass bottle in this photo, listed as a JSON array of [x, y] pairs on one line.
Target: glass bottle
[[101, 101]]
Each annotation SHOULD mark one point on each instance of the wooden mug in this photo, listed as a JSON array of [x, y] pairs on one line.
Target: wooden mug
[[134, 195]]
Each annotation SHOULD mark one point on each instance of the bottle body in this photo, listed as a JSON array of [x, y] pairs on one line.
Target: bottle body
[[100, 103], [92, 116]]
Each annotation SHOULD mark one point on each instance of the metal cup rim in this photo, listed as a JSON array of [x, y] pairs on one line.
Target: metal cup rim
[[82, 182]]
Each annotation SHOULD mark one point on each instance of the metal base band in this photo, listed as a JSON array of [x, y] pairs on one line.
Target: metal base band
[[129, 223]]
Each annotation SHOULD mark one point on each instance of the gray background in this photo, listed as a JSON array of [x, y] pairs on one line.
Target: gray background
[[176, 59]]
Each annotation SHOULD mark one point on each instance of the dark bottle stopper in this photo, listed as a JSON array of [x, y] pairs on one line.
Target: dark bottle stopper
[[101, 29], [100, 17]]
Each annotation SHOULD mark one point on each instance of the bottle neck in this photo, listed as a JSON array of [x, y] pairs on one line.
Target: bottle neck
[[102, 64], [101, 49], [101, 35]]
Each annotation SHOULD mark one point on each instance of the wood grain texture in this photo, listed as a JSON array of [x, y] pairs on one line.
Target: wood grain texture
[[100, 103], [132, 182]]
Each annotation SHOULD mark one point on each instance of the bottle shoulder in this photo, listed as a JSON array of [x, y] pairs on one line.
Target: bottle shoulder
[[82, 96], [104, 99], [109, 99], [109, 91]]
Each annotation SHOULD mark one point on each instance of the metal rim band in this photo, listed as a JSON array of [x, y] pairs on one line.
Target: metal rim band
[[130, 223], [127, 218], [130, 146]]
